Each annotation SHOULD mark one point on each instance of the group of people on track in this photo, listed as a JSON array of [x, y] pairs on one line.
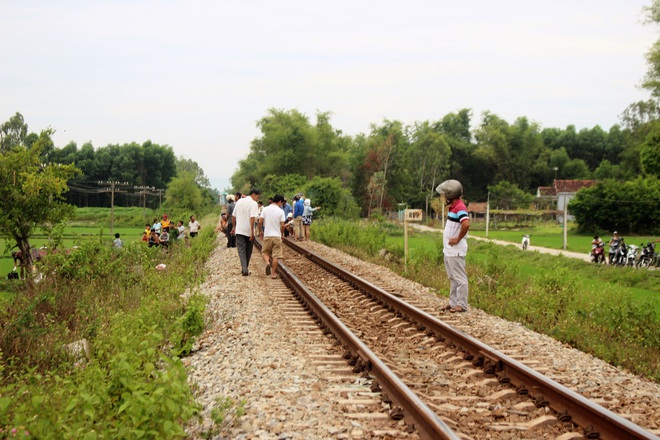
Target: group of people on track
[[244, 219]]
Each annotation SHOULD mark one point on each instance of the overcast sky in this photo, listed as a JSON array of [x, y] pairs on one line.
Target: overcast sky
[[197, 75]]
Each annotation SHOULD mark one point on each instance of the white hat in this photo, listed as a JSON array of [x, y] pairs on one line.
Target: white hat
[[308, 202], [289, 215]]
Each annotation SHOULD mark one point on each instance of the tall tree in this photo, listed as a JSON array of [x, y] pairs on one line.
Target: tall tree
[[652, 78], [290, 144], [509, 149], [429, 158], [31, 192], [13, 133]]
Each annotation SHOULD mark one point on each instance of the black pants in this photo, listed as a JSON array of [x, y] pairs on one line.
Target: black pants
[[244, 246], [231, 239]]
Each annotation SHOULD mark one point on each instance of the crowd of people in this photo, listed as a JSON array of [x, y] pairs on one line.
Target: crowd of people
[[162, 232], [246, 217]]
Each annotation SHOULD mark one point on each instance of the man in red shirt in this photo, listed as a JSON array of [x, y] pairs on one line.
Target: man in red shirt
[[455, 245]]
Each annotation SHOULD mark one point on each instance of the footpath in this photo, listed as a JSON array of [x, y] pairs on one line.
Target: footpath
[[578, 255]]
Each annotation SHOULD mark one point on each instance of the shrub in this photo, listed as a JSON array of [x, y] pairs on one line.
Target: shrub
[[137, 323]]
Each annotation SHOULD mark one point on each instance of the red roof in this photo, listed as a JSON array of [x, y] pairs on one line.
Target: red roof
[[477, 207], [547, 191], [572, 186]]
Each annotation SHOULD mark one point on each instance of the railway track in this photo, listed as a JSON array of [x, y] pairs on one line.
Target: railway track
[[443, 382]]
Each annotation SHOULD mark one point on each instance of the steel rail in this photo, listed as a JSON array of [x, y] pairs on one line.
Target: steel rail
[[415, 411], [585, 413]]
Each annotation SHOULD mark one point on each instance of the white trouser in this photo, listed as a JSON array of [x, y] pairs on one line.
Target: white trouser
[[458, 291]]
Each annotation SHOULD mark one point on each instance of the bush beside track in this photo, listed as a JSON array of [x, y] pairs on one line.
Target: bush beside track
[[137, 324]]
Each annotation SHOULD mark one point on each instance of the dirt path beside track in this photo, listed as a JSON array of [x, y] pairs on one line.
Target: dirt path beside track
[[578, 255]]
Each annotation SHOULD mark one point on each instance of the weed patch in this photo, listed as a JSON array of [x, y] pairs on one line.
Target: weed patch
[[136, 323]]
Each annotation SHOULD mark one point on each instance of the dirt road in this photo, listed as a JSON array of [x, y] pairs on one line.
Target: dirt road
[[580, 256]]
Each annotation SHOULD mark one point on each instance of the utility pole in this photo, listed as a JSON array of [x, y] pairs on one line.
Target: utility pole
[[565, 222], [444, 204], [487, 213], [144, 191], [113, 184], [160, 197]]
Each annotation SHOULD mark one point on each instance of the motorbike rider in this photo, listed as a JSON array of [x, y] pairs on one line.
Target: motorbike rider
[[597, 241], [597, 246], [615, 243]]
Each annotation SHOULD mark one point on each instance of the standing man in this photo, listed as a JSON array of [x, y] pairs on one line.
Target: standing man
[[193, 226], [246, 211], [455, 245], [287, 209], [231, 239], [298, 209], [271, 225]]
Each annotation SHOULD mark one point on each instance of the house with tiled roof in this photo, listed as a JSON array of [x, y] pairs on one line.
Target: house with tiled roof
[[476, 210], [561, 192]]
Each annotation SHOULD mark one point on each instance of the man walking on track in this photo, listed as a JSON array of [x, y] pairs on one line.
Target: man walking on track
[[271, 224], [298, 208], [455, 245], [246, 212]]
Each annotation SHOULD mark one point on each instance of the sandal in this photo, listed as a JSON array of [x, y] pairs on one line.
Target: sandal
[[458, 309], [445, 308]]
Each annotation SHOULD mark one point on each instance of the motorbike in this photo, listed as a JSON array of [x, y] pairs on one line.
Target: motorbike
[[525, 242], [618, 255], [648, 257], [597, 254], [631, 258]]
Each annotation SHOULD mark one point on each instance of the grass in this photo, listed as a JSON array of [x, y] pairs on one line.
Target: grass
[[553, 237], [609, 312], [641, 285]]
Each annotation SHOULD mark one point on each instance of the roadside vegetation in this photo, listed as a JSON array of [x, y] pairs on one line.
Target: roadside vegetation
[[609, 312], [552, 237], [129, 324]]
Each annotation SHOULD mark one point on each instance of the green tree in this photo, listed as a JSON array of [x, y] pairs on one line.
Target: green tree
[[385, 154], [509, 149], [632, 206], [464, 164], [607, 170], [649, 153], [507, 195], [290, 144], [332, 197], [31, 192], [286, 185], [184, 165], [429, 158], [652, 79], [183, 193], [13, 133]]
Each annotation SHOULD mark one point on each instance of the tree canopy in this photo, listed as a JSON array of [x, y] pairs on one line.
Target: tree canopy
[[31, 192]]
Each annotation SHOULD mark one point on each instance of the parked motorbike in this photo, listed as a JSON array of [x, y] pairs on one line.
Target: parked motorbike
[[631, 258], [525, 242], [648, 257], [597, 254]]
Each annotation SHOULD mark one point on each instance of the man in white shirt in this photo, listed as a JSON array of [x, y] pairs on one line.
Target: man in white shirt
[[193, 226], [246, 212], [271, 225]]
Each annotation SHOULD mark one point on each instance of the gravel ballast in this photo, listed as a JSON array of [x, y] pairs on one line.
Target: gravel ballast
[[252, 355]]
